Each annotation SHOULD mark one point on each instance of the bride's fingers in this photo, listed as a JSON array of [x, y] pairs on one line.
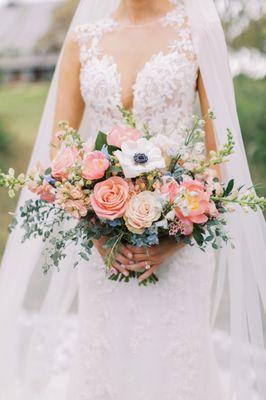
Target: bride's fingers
[[120, 268], [137, 250], [139, 257], [122, 259], [126, 251], [148, 273], [139, 266]]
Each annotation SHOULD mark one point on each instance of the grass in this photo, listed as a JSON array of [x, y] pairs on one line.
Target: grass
[[21, 107]]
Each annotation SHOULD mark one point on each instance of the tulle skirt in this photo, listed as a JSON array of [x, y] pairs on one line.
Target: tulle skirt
[[147, 343]]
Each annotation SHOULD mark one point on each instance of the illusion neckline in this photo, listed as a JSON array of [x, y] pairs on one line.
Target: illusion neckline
[[161, 19]]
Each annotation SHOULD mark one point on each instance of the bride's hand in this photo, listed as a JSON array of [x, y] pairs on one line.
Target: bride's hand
[[153, 256], [123, 258]]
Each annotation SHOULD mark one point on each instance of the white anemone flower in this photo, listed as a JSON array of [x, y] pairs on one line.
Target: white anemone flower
[[139, 157]]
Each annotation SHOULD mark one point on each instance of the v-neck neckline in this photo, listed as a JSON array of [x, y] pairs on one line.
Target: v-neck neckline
[[149, 60]]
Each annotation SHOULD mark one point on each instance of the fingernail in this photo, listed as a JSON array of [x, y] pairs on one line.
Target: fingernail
[[114, 271], [126, 273], [131, 262], [130, 255]]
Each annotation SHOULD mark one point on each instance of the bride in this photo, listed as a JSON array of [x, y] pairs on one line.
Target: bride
[[134, 342]]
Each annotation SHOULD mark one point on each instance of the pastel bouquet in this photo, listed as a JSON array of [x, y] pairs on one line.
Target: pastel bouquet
[[130, 186]]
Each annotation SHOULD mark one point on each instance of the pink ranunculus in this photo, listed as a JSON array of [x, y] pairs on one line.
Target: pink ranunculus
[[169, 187], [65, 158], [195, 202], [46, 192], [109, 199], [185, 225], [121, 134], [94, 165]]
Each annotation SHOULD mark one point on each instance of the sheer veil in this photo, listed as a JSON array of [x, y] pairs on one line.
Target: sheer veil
[[239, 292]]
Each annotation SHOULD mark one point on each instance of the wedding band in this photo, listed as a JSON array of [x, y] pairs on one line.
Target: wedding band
[[147, 266]]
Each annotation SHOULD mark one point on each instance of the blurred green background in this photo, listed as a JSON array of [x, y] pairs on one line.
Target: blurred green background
[[22, 100]]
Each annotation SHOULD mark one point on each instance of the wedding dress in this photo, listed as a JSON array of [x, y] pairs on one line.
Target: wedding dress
[[140, 342], [145, 343]]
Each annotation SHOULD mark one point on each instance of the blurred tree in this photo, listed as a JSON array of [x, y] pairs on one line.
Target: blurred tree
[[4, 142], [254, 35], [251, 103], [237, 15], [54, 38]]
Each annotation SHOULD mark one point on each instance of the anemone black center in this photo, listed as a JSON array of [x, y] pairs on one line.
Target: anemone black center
[[140, 158]]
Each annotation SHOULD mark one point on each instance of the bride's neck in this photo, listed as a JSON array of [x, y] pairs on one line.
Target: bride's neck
[[142, 11]]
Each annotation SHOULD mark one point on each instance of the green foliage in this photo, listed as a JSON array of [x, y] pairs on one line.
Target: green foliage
[[251, 104], [4, 141], [128, 117], [253, 36], [21, 107], [101, 141]]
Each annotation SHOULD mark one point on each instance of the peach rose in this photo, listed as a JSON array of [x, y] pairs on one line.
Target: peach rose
[[94, 165], [142, 210], [121, 134], [193, 201], [65, 158], [109, 198]]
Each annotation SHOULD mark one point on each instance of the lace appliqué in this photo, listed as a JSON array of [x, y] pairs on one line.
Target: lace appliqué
[[164, 91], [89, 35]]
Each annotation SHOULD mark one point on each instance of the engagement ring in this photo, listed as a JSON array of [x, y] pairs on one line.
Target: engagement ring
[[147, 266]]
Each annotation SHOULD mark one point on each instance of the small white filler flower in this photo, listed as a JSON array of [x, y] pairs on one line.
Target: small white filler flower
[[138, 157]]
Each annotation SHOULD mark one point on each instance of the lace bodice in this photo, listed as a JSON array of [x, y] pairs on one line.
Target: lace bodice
[[164, 89]]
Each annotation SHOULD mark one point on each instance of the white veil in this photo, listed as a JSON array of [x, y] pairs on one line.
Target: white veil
[[26, 361]]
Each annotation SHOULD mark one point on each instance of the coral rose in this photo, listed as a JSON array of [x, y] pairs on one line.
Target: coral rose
[[193, 202], [121, 134], [109, 199], [142, 210], [65, 158], [94, 165]]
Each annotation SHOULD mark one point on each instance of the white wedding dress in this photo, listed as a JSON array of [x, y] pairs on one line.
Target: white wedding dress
[[145, 343]]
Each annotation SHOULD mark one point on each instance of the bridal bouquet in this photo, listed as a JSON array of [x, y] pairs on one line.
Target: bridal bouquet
[[130, 186]]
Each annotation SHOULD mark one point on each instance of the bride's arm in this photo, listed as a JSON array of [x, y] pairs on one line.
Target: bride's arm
[[69, 102], [210, 141], [70, 107]]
